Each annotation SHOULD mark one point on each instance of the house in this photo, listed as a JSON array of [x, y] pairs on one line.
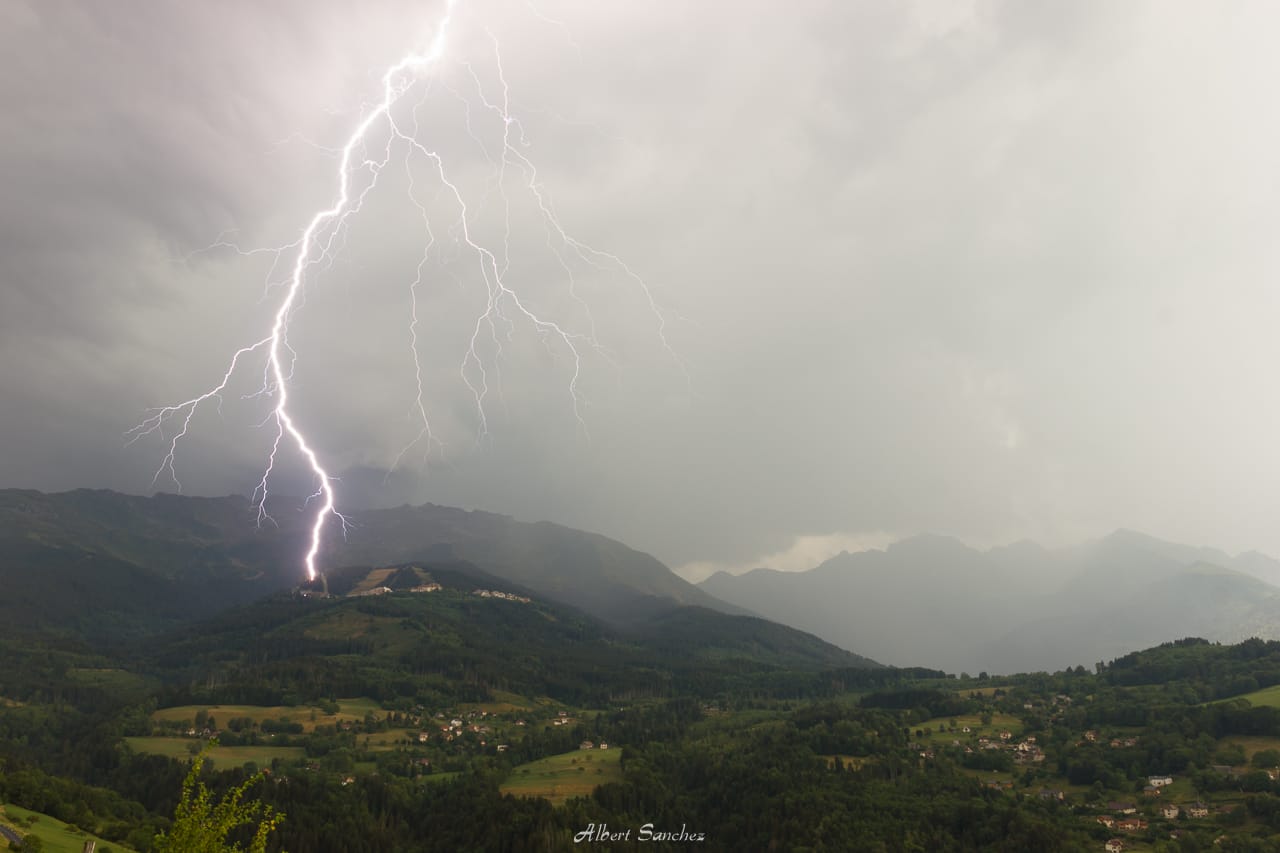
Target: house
[[1131, 824], [1150, 791], [604, 745], [966, 730], [1006, 735], [423, 737], [1047, 794], [586, 744], [1106, 820], [1160, 781], [1197, 810], [1091, 735], [502, 747], [1122, 808], [1115, 845], [1170, 811]]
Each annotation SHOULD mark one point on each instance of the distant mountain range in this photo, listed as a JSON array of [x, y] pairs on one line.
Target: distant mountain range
[[105, 567], [192, 556], [933, 600], [102, 568]]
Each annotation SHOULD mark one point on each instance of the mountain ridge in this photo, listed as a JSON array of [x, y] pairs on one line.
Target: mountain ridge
[[1019, 607], [194, 555]]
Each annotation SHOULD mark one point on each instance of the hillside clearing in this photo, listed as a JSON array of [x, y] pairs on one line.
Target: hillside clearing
[[561, 777]]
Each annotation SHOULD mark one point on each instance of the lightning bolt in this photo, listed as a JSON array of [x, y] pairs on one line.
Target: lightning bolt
[[322, 238]]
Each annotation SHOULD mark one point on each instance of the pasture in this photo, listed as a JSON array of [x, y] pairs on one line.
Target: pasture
[[308, 716], [561, 777], [57, 836], [222, 757], [1268, 696]]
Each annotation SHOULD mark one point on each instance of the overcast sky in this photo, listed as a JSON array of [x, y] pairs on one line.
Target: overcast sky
[[997, 270]]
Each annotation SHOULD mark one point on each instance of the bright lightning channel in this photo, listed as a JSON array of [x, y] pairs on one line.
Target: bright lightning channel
[[324, 229]]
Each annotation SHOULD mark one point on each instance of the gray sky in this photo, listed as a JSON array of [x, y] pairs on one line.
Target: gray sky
[[997, 270]]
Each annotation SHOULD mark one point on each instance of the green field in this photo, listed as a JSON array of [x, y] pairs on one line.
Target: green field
[[562, 777], [222, 756], [1269, 696], [56, 835], [107, 679], [1251, 743], [999, 723], [308, 715]]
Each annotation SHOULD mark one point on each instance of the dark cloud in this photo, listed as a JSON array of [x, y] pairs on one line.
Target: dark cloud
[[991, 269]]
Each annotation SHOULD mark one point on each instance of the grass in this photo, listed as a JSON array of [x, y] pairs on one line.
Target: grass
[[221, 756], [375, 578], [966, 692], [57, 836], [348, 709], [561, 777], [117, 680], [1268, 696], [999, 723], [1251, 744]]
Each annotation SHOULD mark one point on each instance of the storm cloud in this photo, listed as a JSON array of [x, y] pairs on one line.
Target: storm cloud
[[997, 270]]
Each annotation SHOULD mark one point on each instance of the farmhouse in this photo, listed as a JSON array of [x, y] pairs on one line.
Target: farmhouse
[[1115, 845]]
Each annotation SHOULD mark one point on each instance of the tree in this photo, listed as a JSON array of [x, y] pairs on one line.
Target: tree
[[201, 826]]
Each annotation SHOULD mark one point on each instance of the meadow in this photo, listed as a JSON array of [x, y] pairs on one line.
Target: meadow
[[561, 777], [220, 756], [58, 837]]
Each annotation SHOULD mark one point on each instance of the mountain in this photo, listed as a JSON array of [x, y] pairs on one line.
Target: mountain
[[592, 572], [452, 632], [99, 564], [933, 600]]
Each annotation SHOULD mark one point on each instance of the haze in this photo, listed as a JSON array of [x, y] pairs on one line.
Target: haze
[[996, 270]]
